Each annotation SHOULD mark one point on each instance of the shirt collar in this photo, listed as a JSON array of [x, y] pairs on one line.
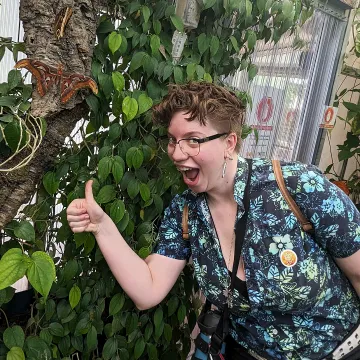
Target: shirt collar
[[239, 188]]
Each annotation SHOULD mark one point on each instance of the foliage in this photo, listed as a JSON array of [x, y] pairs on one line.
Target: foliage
[[350, 149], [86, 311]]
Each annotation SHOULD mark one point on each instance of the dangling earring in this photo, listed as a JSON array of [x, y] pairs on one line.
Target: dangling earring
[[224, 169]]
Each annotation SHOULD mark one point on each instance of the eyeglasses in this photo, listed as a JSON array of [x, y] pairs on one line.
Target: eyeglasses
[[191, 146]]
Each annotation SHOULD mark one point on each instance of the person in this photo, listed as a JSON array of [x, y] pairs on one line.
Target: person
[[301, 309]]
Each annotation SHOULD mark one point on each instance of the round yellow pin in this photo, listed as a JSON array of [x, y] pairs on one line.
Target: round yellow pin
[[288, 258]]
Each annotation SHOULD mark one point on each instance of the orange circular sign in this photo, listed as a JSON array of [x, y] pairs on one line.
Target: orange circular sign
[[288, 258]]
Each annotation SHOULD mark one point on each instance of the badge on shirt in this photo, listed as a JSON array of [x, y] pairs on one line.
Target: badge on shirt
[[288, 258]]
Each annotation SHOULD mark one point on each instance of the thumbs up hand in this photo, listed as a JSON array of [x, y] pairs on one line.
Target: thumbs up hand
[[85, 214]]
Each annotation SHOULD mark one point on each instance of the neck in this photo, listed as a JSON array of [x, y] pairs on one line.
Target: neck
[[225, 192]]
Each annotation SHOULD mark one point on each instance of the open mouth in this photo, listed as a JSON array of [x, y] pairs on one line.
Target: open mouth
[[190, 175]]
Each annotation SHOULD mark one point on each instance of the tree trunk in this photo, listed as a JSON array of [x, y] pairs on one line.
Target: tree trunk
[[74, 51]]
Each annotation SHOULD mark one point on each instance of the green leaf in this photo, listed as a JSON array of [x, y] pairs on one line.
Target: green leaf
[[105, 26], [56, 329], [130, 108], [167, 332], [154, 43], [251, 39], [46, 336], [63, 309], [148, 331], [110, 348], [214, 45], [13, 266], [106, 194], [208, 78], [133, 189], [352, 107], [158, 317], [137, 158], [74, 296], [159, 204], [114, 132], [152, 351], [106, 84], [114, 41], [177, 22], [248, 8], [168, 70], [104, 168], [172, 304], [13, 135], [91, 339], [252, 71], [181, 313], [144, 192], [178, 75], [14, 79], [89, 243], [157, 26], [144, 252], [8, 101], [2, 51], [137, 61], [41, 272], [208, 3], [202, 43], [14, 337], [15, 353], [49, 309], [139, 348], [145, 103], [70, 270], [118, 171], [288, 8], [51, 183], [146, 13], [35, 346], [118, 81], [25, 231], [200, 71], [117, 210], [116, 303], [234, 43], [190, 71]]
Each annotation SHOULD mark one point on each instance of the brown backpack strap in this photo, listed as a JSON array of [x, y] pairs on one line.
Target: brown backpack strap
[[185, 226], [304, 222]]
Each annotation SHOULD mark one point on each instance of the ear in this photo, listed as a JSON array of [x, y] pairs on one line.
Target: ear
[[231, 141]]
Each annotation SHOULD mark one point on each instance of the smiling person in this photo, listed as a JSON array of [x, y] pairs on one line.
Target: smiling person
[[294, 294]]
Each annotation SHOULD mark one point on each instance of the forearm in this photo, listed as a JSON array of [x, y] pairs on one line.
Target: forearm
[[132, 272]]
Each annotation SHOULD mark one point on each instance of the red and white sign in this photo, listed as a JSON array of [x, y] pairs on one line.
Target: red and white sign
[[264, 112], [329, 117]]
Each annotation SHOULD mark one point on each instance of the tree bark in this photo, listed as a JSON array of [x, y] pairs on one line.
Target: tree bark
[[74, 51]]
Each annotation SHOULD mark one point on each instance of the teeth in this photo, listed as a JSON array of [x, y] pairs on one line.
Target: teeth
[[183, 168]]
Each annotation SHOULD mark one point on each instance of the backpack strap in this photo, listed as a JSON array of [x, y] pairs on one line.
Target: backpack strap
[[185, 226], [304, 222]]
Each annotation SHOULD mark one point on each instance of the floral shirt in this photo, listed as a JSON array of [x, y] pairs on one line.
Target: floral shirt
[[297, 310]]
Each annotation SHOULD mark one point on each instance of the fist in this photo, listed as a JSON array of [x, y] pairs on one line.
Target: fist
[[85, 214]]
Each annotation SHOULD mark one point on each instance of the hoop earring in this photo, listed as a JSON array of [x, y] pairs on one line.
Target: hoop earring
[[224, 169]]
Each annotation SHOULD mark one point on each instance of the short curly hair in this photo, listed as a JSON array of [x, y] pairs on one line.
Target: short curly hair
[[204, 102]]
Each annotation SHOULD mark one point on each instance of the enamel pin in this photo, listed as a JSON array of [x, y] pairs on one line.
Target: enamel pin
[[288, 258]]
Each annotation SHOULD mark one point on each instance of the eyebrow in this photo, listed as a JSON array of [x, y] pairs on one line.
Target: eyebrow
[[188, 134]]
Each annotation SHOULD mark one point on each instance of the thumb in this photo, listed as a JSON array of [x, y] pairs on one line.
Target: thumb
[[89, 197]]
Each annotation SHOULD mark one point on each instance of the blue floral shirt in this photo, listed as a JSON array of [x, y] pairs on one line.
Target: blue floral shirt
[[293, 312]]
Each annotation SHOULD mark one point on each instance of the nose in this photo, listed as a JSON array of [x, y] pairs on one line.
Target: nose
[[178, 155]]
